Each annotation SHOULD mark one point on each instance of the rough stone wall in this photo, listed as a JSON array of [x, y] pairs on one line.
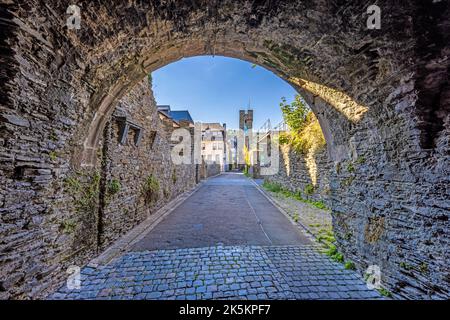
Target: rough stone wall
[[206, 170], [379, 94], [132, 165], [296, 174], [67, 217]]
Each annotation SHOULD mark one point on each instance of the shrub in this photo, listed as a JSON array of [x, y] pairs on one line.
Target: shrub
[[327, 238], [68, 226], [273, 187], [85, 190], [350, 168], [349, 265], [305, 132], [334, 254], [113, 187], [338, 257], [151, 189], [309, 189], [53, 156], [277, 188], [384, 292]]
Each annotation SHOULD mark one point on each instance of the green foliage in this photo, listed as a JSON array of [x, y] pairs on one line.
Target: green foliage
[[323, 235], [338, 257], [53, 156], [316, 203], [174, 176], [113, 187], [384, 292], [309, 189], [277, 188], [284, 139], [347, 181], [68, 226], [423, 267], [360, 160], [319, 205], [73, 184], [295, 114], [405, 266], [334, 254], [85, 190], [273, 187], [331, 251], [349, 265], [350, 168], [151, 189], [326, 237], [305, 132], [246, 157], [246, 171], [53, 136]]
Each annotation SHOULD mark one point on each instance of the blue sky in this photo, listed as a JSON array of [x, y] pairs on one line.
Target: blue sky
[[213, 89]]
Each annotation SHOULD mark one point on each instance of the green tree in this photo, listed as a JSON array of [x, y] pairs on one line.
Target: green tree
[[305, 133], [295, 114]]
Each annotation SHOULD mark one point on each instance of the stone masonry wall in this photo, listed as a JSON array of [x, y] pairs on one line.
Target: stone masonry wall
[[130, 166], [296, 173], [55, 215], [381, 96], [210, 169]]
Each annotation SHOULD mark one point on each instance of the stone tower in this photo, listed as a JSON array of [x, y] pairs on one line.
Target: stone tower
[[245, 119], [246, 124]]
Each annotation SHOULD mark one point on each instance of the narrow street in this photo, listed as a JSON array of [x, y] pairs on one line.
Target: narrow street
[[227, 210], [226, 241]]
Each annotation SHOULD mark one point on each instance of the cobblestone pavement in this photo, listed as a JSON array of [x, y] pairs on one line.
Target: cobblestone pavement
[[226, 241], [231, 272]]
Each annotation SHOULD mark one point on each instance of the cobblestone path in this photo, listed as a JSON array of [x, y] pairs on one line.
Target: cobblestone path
[[227, 241], [232, 272]]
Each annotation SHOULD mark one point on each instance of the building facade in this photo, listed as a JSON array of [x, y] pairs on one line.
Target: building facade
[[214, 148]]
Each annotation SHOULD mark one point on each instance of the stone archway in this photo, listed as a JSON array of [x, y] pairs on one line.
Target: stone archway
[[383, 94]]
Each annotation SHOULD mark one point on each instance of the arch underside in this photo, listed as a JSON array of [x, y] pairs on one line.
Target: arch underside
[[375, 93]]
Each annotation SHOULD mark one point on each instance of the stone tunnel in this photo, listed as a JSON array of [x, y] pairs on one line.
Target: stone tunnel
[[380, 95]]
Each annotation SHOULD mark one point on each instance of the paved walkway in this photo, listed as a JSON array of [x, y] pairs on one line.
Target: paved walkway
[[226, 210], [226, 241]]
